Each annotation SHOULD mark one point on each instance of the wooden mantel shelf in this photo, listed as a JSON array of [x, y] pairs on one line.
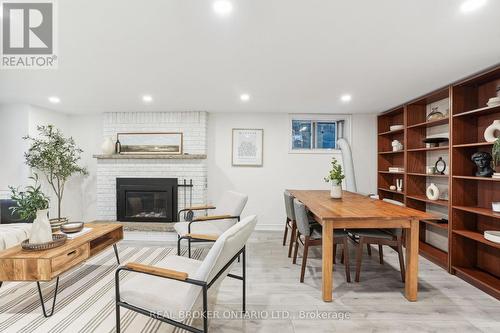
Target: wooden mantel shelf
[[151, 156]]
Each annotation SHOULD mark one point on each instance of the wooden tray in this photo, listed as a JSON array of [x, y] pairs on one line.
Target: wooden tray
[[57, 240]]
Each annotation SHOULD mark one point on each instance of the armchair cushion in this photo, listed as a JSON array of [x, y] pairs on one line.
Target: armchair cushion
[[159, 294], [208, 228], [13, 234]]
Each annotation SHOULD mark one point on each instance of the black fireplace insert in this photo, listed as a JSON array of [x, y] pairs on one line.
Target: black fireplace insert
[[146, 199]]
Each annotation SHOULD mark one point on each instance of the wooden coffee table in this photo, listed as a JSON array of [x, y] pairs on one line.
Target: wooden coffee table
[[17, 264]]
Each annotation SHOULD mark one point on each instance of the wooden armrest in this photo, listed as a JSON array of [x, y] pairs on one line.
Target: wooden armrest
[[168, 273], [213, 217], [202, 236], [199, 207]]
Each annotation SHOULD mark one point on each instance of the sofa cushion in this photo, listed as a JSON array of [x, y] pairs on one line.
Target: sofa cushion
[[13, 234]]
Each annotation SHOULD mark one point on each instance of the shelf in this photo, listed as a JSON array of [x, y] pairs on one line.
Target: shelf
[[434, 254], [478, 237], [436, 224], [478, 210], [476, 144], [426, 175], [431, 123], [394, 173], [391, 191], [480, 111], [428, 149], [392, 132], [487, 179], [425, 199], [481, 279], [391, 152]]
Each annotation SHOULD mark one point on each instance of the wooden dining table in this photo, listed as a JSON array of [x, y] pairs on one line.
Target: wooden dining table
[[354, 211]]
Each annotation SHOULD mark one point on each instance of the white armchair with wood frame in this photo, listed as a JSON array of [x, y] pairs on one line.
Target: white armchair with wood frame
[[208, 228]]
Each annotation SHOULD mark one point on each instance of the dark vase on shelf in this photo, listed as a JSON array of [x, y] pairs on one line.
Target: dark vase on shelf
[[118, 147]]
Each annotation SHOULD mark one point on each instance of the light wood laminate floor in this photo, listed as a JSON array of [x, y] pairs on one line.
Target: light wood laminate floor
[[278, 303]]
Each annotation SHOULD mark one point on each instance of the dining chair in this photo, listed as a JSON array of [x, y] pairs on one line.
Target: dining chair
[[290, 222], [312, 234], [177, 286], [380, 237], [225, 214]]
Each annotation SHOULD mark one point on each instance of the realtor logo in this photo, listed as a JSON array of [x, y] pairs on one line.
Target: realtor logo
[[28, 35]]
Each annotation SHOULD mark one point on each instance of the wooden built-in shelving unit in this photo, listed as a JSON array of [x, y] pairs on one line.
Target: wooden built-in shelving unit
[[468, 208]]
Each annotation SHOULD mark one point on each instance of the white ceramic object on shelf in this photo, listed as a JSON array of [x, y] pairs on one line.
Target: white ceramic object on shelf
[[399, 185], [495, 206], [396, 127], [392, 187], [108, 146], [489, 132], [396, 145], [432, 192], [494, 101], [336, 191], [492, 236], [41, 232]]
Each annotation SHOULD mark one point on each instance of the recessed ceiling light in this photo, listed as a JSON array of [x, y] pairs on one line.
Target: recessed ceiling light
[[245, 97], [222, 7], [346, 98], [54, 99], [472, 5], [147, 98]]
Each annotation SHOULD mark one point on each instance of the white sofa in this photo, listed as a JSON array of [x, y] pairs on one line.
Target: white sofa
[[13, 234]]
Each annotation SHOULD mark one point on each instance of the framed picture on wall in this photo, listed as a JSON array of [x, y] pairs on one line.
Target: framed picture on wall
[[150, 143], [247, 147]]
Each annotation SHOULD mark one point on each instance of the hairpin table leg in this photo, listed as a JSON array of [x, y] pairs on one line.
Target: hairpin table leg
[[43, 302], [116, 253]]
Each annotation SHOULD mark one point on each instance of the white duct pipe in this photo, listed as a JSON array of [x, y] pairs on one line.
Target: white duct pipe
[[350, 179]]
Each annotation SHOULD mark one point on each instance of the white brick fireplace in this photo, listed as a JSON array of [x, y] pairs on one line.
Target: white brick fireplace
[[191, 165]]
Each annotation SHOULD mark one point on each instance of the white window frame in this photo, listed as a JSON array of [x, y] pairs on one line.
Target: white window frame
[[320, 117]]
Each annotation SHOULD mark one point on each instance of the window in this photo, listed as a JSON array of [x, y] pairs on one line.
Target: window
[[311, 133]]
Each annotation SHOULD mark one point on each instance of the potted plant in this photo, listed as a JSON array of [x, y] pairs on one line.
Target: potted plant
[[57, 157], [495, 154], [335, 177], [33, 203]]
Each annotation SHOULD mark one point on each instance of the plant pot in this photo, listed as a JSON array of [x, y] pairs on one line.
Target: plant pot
[[41, 231], [336, 191], [56, 223]]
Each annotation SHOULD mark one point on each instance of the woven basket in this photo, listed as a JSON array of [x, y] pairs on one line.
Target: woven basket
[[57, 240]]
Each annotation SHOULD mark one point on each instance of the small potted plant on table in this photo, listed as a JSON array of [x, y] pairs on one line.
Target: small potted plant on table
[[335, 177], [33, 204]]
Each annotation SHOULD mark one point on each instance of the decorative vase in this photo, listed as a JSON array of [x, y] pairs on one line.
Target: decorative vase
[[432, 192], [108, 146], [41, 231], [336, 191], [489, 133]]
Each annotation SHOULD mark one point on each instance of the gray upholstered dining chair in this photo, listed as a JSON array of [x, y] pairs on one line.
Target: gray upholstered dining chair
[[290, 222], [312, 234], [381, 237], [177, 286], [207, 228]]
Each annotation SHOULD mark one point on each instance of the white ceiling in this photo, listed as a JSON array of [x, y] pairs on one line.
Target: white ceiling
[[289, 55]]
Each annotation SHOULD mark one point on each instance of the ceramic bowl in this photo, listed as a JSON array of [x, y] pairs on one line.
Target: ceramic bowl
[[396, 127], [73, 227], [493, 236], [494, 101]]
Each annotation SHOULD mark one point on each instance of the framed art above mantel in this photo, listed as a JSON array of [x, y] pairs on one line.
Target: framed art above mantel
[[247, 147], [167, 143]]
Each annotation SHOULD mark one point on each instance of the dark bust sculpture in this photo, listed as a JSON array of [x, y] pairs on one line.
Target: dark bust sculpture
[[483, 163]]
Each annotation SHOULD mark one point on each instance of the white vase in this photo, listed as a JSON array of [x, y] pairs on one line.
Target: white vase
[[489, 133], [108, 146], [432, 192], [41, 232], [336, 191]]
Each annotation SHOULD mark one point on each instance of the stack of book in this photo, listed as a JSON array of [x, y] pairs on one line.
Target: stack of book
[[396, 169]]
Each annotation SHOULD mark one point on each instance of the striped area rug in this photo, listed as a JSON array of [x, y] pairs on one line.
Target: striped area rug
[[85, 300]]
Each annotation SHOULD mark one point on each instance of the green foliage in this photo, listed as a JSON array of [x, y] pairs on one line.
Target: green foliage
[[495, 152], [335, 174], [29, 201], [56, 156]]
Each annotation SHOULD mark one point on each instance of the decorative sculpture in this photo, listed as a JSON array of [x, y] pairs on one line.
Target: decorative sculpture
[[483, 163]]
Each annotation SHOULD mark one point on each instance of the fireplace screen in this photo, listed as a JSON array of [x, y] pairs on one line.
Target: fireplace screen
[[146, 199]]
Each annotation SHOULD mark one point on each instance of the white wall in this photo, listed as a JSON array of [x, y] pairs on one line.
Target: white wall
[[281, 170]]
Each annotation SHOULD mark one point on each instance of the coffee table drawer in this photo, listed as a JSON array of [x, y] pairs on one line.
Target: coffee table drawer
[[69, 259]]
